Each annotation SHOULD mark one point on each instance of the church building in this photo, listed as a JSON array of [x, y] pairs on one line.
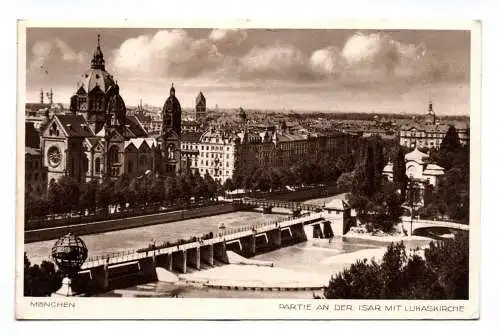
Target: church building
[[97, 138], [170, 139]]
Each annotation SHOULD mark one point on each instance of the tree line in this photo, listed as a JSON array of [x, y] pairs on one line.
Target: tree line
[[442, 273], [323, 167], [68, 195], [378, 201]]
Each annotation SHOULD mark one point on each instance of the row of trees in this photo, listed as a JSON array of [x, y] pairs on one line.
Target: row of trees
[[67, 195], [379, 202], [324, 167], [376, 200], [451, 196], [443, 273]]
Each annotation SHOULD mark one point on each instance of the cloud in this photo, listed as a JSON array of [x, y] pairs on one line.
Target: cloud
[[226, 40], [377, 58], [47, 53], [53, 59], [327, 61], [280, 62], [173, 53]]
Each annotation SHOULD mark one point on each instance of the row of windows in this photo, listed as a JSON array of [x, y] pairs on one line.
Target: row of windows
[[422, 134], [212, 147], [210, 163], [211, 172], [212, 155]]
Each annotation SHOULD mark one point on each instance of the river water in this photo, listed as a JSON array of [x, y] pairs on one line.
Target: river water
[[317, 258], [135, 238]]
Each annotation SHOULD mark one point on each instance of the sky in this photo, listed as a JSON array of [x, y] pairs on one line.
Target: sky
[[278, 69]]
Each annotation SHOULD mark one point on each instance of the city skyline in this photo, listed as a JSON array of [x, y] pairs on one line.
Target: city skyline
[[337, 70]]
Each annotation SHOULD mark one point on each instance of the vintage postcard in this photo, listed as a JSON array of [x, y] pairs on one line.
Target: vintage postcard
[[248, 170]]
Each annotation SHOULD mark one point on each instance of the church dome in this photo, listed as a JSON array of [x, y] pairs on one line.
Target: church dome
[[416, 156], [96, 76], [93, 78], [172, 111]]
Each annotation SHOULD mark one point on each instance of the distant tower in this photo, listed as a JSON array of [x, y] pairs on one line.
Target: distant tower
[[170, 138], [430, 118], [201, 107], [243, 115], [50, 96], [41, 95]]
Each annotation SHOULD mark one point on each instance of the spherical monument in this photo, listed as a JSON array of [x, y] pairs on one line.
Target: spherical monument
[[69, 253]]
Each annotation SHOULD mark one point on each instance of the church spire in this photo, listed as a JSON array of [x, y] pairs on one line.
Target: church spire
[[98, 58]]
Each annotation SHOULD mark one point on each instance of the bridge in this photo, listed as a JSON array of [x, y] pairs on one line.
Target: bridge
[[106, 272], [267, 205], [415, 224]]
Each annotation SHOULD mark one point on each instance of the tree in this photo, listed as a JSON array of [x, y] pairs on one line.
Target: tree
[[70, 193], [87, 200], [399, 170], [451, 141], [344, 182], [40, 280], [171, 191], [442, 274], [229, 185]]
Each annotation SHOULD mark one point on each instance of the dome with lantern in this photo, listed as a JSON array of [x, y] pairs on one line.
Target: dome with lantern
[[69, 253], [96, 76]]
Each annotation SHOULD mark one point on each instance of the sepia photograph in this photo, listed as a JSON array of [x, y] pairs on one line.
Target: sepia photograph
[[324, 168]]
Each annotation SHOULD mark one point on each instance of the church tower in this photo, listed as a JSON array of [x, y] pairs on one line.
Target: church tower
[[92, 93], [201, 107], [430, 118], [170, 138]]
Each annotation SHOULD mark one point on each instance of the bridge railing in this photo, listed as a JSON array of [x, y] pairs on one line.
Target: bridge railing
[[129, 255]]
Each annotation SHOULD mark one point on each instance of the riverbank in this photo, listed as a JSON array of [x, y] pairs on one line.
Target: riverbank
[[38, 235]]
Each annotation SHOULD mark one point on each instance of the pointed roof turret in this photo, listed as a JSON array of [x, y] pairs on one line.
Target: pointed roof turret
[[98, 58], [172, 90]]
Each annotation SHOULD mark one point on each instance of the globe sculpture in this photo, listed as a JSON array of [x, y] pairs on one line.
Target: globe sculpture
[[69, 253]]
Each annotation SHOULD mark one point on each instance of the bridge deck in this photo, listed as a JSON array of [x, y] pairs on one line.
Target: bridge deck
[[225, 236]]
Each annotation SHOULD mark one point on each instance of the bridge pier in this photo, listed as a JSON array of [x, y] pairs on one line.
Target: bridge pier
[[207, 254], [327, 229], [179, 261], [100, 276], [147, 266], [317, 231], [220, 252], [164, 261], [275, 237], [193, 257], [298, 233], [248, 245]]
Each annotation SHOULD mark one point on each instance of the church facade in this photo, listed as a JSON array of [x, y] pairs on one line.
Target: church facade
[[98, 140]]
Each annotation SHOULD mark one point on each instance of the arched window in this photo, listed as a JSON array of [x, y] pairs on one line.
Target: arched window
[[142, 160], [97, 165], [113, 155]]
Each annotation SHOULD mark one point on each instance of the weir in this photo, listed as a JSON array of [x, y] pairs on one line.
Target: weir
[[179, 261], [207, 254], [108, 273]]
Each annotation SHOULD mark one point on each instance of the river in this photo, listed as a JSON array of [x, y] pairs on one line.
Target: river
[[313, 261], [135, 238]]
